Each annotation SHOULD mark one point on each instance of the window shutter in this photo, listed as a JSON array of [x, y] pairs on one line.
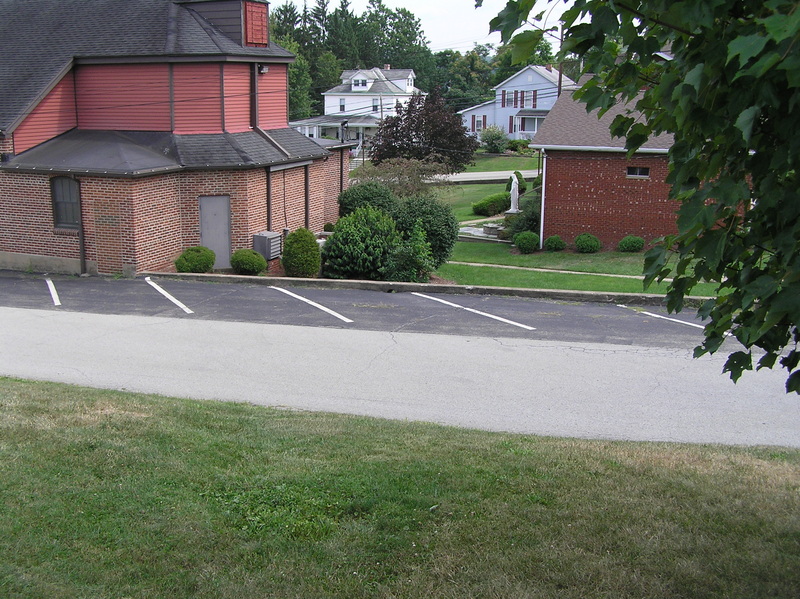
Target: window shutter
[[473, 123], [533, 98], [503, 99], [516, 98], [511, 124]]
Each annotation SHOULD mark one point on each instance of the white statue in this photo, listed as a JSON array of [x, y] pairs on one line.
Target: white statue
[[514, 196]]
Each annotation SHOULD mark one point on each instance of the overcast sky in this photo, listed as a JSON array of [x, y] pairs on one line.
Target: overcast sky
[[454, 24]]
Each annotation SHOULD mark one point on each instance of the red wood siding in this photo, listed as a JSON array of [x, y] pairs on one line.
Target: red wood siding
[[123, 97], [54, 115], [237, 97], [198, 101], [273, 110], [590, 192], [255, 24]]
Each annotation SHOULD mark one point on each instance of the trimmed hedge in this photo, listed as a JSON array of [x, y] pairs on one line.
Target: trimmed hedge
[[527, 242], [360, 246], [248, 262], [437, 221], [196, 259], [369, 193], [301, 254], [493, 204], [631, 243], [554, 243], [586, 243]]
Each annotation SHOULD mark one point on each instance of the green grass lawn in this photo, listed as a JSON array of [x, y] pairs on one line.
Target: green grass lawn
[[494, 163], [461, 197], [601, 262], [109, 494]]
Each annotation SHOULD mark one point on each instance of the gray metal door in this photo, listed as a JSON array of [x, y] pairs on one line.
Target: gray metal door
[[215, 227]]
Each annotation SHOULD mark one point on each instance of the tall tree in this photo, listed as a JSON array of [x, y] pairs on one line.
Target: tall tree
[[728, 91], [342, 40], [284, 20], [425, 129], [299, 81], [504, 67]]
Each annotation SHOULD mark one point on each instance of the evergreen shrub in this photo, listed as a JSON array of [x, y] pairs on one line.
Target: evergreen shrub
[[248, 262], [328, 227], [301, 255], [196, 259], [437, 221], [631, 243], [493, 204], [518, 145], [370, 193], [522, 186], [554, 243], [412, 259], [586, 243], [526, 220], [360, 246], [527, 242]]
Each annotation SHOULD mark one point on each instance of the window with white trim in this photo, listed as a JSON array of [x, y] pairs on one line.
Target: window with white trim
[[638, 172], [341, 104]]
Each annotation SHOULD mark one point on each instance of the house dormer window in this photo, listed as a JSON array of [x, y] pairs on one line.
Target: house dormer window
[[359, 83]]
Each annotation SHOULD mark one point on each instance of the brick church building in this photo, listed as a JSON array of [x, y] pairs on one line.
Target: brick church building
[[132, 130]]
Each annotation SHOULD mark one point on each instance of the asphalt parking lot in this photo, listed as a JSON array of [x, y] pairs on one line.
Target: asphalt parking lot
[[419, 312]]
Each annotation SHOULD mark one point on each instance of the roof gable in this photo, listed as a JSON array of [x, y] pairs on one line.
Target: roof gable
[[542, 73]]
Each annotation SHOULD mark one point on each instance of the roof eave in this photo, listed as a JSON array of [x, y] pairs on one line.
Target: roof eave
[[547, 148]]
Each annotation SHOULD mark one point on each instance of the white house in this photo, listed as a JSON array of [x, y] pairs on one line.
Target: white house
[[354, 109], [520, 104]]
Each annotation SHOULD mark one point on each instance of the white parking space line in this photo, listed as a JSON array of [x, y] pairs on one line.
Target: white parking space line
[[492, 316], [310, 303], [53, 292], [168, 296], [688, 324]]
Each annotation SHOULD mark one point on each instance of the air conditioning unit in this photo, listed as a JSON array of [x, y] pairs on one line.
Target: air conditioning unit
[[268, 244]]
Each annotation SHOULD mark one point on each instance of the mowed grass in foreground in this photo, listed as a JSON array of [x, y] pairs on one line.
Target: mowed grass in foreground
[[461, 197], [508, 162], [108, 494]]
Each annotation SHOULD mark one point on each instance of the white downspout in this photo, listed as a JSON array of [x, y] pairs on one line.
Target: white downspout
[[541, 210]]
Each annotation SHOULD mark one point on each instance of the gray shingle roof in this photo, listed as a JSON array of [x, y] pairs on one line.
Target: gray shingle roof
[[131, 153], [569, 125], [40, 39]]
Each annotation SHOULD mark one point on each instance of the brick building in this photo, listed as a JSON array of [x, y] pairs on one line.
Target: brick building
[[590, 185], [132, 130]]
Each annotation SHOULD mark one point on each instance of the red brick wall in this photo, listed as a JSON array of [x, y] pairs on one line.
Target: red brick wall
[[590, 192], [7, 145], [142, 224]]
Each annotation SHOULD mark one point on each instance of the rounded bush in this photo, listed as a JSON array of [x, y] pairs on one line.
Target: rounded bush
[[631, 243], [196, 259], [495, 139], [518, 145], [554, 243], [301, 255], [247, 262], [411, 260], [493, 204], [527, 242], [369, 193], [522, 186], [437, 221], [586, 243], [360, 246]]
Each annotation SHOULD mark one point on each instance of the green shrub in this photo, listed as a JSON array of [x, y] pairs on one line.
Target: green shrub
[[536, 181], [527, 242], [631, 243], [247, 262], [518, 145], [196, 259], [493, 204], [360, 246], [438, 223], [301, 255], [411, 260], [586, 243], [369, 193], [525, 220], [521, 185], [328, 227], [554, 243], [495, 139]]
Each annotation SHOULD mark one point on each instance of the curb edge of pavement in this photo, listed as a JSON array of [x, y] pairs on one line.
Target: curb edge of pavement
[[634, 299]]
